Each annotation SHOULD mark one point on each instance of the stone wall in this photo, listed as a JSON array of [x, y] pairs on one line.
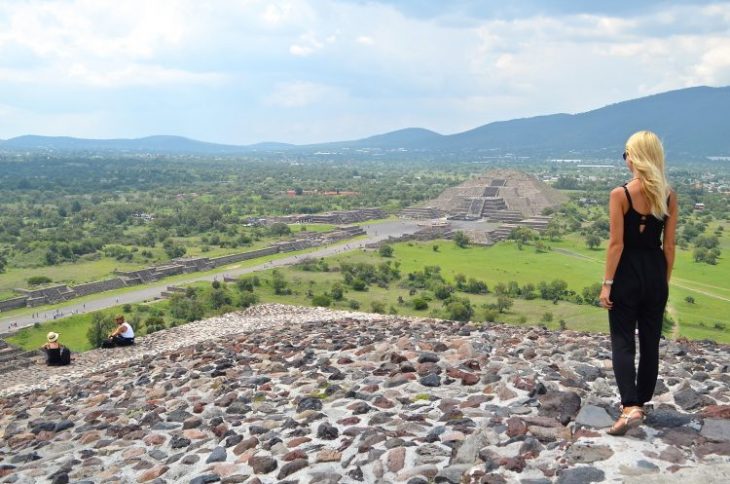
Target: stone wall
[[230, 259], [14, 303], [98, 286]]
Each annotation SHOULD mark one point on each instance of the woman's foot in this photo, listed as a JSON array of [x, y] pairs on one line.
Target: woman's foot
[[630, 417]]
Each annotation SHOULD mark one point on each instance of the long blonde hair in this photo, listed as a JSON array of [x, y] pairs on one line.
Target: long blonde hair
[[646, 154]]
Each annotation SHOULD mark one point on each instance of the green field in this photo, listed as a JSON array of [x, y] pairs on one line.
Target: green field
[[707, 318]]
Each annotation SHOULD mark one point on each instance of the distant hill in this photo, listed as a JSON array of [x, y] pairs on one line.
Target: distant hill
[[155, 144], [692, 121]]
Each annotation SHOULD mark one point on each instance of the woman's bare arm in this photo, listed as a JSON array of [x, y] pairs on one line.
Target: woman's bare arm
[[615, 241], [670, 232]]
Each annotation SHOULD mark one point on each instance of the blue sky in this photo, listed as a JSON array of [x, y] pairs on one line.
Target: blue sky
[[306, 71]]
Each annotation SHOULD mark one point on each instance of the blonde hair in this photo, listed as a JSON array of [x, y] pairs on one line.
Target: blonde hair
[[646, 154]]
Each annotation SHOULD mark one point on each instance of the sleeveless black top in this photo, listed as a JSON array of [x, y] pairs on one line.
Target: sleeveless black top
[[641, 231]]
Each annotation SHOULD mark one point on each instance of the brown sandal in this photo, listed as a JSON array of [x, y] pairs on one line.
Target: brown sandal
[[630, 418]]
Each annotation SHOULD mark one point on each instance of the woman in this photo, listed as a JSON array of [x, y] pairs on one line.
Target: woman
[[639, 261], [56, 353], [122, 336]]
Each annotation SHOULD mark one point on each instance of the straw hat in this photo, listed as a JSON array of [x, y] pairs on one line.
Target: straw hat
[[52, 337]]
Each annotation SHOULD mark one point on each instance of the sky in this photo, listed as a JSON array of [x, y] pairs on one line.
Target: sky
[[308, 71]]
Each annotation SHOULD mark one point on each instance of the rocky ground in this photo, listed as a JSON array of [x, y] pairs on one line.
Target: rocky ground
[[284, 394]]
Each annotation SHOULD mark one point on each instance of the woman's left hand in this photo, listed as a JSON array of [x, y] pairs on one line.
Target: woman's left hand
[[603, 298]]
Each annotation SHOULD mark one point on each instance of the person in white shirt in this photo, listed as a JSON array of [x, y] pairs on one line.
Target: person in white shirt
[[122, 336]]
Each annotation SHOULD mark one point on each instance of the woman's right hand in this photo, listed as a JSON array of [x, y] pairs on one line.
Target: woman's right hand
[[604, 297]]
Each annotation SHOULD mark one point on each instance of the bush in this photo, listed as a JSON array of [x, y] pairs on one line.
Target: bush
[[247, 299], [503, 303], [154, 324], [127, 308], [547, 317], [522, 319], [385, 251], [459, 309], [337, 292], [99, 329], [490, 315], [216, 284], [353, 304], [689, 300], [377, 307], [419, 304], [38, 280], [562, 324], [461, 239], [322, 300]]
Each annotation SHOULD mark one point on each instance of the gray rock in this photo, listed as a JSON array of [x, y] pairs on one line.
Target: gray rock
[[585, 454], [219, 454], [178, 442], [667, 418], [238, 408], [687, 398], [292, 467], [431, 380], [205, 479], [593, 416], [309, 403], [452, 474], [716, 429], [262, 464], [581, 475], [428, 357], [324, 478], [326, 431], [178, 415], [469, 449], [562, 405]]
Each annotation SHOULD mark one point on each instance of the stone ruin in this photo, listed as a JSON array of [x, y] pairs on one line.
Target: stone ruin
[[511, 197]]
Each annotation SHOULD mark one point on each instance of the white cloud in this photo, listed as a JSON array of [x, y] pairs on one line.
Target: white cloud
[[300, 94], [365, 40]]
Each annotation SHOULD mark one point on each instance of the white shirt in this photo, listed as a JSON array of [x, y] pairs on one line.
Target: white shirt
[[128, 332]]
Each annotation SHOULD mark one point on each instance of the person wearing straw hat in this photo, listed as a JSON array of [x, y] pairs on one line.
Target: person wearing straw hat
[[56, 353]]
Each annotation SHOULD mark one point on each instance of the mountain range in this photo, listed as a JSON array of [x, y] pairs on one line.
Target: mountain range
[[691, 121]]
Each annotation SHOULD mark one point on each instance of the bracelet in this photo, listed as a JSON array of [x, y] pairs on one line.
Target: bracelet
[[607, 282]]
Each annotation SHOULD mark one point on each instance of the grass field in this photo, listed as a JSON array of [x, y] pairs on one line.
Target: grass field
[[707, 318]]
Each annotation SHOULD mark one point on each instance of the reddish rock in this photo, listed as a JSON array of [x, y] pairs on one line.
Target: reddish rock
[[152, 473], [294, 454], [716, 411], [296, 441], [516, 426], [89, 437], [154, 439], [396, 459], [198, 407], [329, 455], [194, 434], [220, 430], [245, 444], [469, 378], [382, 402], [347, 421]]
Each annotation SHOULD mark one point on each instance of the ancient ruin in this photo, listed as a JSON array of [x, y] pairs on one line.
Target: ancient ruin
[[511, 197]]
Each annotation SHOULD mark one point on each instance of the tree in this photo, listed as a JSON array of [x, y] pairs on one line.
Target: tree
[[591, 293], [385, 251], [459, 309], [461, 239], [593, 241], [689, 300], [337, 292], [279, 284], [504, 303], [102, 325]]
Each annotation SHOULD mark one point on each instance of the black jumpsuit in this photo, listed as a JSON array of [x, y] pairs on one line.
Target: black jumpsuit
[[639, 295]]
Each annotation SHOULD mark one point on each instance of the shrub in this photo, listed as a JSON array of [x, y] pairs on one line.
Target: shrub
[[490, 315], [99, 329], [377, 307], [216, 284], [689, 300], [337, 292], [353, 304], [461, 239], [322, 300], [127, 308], [419, 304], [247, 299], [385, 251], [38, 280], [154, 324], [547, 317]]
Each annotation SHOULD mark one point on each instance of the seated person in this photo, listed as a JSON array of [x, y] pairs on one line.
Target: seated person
[[56, 353], [122, 336]]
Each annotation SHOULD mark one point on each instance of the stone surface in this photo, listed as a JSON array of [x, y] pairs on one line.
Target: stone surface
[[280, 393]]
